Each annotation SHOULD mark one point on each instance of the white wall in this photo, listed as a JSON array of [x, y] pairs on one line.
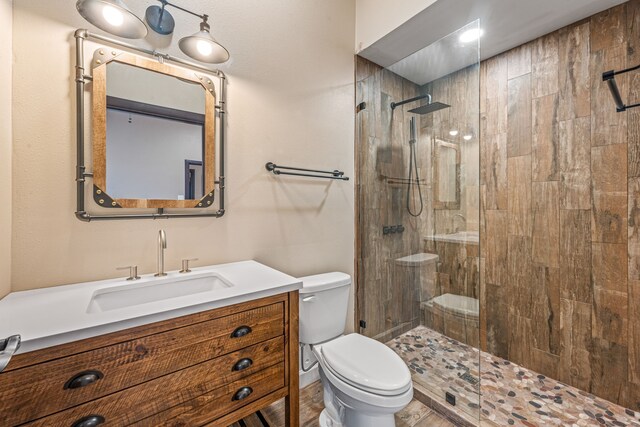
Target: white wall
[[137, 84], [290, 101], [377, 18], [145, 157], [5, 145]]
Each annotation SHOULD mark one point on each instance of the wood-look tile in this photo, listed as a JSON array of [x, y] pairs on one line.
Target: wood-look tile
[[575, 253], [545, 363], [608, 28], [607, 125], [634, 332], [483, 303], [519, 195], [609, 168], [575, 163], [494, 170], [519, 61], [574, 78], [546, 224], [497, 246], [519, 116], [608, 368], [633, 234], [545, 143], [575, 327], [497, 320], [520, 340], [519, 289], [633, 115], [610, 318], [630, 396], [311, 404], [633, 130], [545, 299], [609, 217], [544, 65], [434, 420], [412, 414], [494, 95], [609, 266]]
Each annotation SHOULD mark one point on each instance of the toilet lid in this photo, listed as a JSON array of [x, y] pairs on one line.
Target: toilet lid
[[367, 364]]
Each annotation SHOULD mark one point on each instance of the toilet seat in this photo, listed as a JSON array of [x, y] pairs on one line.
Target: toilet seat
[[366, 364]]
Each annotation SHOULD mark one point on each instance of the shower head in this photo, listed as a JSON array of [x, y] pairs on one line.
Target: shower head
[[429, 108]]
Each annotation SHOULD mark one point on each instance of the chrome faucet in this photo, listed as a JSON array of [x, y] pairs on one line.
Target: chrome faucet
[[162, 245]]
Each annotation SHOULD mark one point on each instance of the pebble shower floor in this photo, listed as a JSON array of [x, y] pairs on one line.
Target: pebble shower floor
[[510, 394]]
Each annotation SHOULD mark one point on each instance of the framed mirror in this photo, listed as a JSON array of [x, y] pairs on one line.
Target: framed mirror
[[153, 133], [446, 175]]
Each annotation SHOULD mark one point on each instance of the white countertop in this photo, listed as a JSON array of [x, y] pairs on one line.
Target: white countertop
[[52, 316]]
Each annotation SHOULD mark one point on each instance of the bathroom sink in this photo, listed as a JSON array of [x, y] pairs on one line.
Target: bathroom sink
[[154, 290], [466, 237]]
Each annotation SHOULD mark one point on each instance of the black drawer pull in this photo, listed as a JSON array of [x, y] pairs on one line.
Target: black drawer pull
[[242, 364], [83, 379], [241, 331], [243, 393], [89, 421]]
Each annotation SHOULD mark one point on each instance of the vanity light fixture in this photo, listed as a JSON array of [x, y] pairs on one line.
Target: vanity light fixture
[[116, 18], [467, 137], [112, 16], [200, 46], [203, 47], [453, 132]]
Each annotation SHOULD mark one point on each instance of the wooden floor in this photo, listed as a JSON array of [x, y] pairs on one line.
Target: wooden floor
[[414, 415]]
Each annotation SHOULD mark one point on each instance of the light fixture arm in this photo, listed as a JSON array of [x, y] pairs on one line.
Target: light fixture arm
[[204, 17]]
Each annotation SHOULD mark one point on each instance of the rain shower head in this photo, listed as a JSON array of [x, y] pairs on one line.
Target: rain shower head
[[429, 108]]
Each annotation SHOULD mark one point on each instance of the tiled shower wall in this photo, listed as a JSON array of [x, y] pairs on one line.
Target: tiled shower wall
[[560, 183]]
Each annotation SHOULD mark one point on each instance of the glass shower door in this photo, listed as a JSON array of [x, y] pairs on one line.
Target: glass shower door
[[417, 153]]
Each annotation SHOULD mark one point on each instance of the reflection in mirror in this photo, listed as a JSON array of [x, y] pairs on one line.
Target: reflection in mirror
[[154, 126], [153, 134], [446, 169]]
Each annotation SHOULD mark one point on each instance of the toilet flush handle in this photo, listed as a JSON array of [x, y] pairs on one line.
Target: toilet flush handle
[[310, 298]]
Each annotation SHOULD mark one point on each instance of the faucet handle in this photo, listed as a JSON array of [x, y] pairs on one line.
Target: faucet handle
[[185, 265], [133, 271]]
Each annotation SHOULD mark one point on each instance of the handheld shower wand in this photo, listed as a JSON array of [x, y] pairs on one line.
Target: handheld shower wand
[[413, 167]]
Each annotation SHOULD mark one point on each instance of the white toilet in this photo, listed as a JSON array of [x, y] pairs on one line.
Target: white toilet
[[365, 382]]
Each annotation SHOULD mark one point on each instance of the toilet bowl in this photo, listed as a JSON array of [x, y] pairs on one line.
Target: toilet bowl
[[365, 382]]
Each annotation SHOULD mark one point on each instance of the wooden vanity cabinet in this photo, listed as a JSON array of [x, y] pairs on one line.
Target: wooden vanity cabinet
[[211, 368]]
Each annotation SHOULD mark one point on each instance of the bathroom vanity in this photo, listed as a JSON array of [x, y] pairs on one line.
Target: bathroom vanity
[[204, 348]]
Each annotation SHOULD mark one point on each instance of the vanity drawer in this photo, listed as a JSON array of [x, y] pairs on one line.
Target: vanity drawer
[[40, 390], [219, 402], [161, 394]]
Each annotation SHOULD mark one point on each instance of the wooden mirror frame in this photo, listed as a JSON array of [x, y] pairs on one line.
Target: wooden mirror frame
[[102, 57], [437, 203]]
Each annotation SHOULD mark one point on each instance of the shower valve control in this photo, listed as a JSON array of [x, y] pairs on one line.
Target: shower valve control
[[392, 229]]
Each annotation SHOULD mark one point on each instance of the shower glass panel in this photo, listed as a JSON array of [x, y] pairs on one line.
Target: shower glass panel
[[418, 162]]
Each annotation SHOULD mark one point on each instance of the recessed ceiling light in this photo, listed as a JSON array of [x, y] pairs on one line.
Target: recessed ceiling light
[[453, 132], [471, 35], [467, 137]]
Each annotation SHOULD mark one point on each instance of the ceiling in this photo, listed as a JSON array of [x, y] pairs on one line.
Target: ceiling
[[506, 24]]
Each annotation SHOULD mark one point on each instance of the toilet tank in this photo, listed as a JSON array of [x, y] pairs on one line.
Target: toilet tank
[[324, 299]]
